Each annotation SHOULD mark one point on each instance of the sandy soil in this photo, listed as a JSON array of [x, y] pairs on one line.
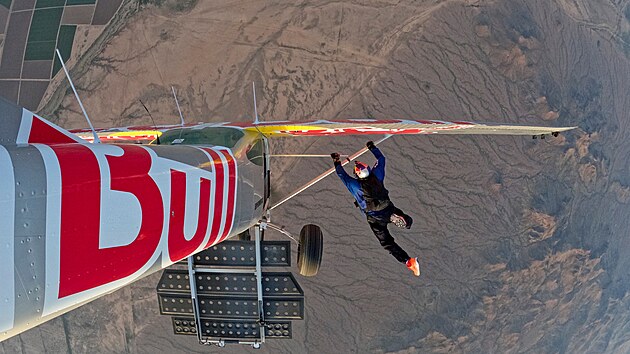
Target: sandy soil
[[523, 243]]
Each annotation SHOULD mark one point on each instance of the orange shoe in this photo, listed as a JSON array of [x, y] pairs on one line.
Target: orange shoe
[[413, 266]]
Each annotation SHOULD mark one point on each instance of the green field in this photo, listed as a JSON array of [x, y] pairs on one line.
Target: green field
[[64, 43], [40, 50], [80, 2], [45, 25], [5, 3], [49, 3]]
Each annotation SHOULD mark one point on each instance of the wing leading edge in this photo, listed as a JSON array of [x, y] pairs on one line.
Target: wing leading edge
[[331, 128], [394, 127]]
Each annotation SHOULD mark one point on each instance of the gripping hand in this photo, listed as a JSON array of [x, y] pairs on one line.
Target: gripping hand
[[370, 145], [335, 157]]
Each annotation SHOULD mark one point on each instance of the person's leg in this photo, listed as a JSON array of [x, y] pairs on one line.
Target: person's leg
[[387, 241], [408, 219]]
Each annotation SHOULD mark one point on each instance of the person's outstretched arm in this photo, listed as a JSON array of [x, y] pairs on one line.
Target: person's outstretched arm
[[379, 167], [348, 181]]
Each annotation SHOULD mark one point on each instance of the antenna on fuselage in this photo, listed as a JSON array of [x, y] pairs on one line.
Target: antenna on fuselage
[[63, 65], [255, 105], [181, 117], [152, 121]]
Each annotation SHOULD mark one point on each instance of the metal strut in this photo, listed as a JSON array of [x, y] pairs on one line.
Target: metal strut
[[259, 288], [193, 295], [325, 174], [257, 271], [281, 230], [303, 155]]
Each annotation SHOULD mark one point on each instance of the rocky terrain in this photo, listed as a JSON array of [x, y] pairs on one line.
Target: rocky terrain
[[523, 243]]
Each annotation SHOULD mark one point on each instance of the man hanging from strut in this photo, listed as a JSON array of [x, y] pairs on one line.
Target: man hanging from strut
[[373, 199]]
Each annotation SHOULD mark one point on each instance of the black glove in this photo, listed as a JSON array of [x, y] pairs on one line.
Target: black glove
[[335, 157], [370, 145]]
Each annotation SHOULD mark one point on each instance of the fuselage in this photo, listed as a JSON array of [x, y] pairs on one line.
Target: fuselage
[[80, 220]]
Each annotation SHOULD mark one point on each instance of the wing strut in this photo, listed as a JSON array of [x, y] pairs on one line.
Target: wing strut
[[303, 155], [326, 173]]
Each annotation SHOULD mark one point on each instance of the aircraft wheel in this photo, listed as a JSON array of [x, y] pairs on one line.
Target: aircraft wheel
[[310, 250]]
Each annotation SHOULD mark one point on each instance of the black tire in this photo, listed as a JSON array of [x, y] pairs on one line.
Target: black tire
[[310, 250]]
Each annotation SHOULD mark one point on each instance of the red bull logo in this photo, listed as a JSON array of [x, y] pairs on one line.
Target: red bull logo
[[80, 220], [113, 212]]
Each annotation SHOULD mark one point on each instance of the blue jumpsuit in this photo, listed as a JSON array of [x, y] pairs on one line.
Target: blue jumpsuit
[[377, 219]]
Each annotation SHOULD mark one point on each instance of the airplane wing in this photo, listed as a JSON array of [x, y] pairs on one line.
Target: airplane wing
[[25, 127], [329, 128], [394, 127]]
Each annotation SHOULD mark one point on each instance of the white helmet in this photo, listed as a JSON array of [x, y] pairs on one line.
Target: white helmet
[[361, 170]]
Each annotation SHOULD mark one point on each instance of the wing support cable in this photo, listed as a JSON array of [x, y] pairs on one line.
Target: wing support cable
[[326, 173], [65, 70]]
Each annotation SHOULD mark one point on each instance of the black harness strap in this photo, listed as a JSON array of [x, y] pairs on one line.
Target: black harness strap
[[375, 194]]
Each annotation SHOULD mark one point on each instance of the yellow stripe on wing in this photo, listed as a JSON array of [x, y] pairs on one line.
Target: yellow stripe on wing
[[144, 136]]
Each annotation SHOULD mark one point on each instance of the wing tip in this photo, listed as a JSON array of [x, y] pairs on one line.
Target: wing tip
[[564, 129]]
